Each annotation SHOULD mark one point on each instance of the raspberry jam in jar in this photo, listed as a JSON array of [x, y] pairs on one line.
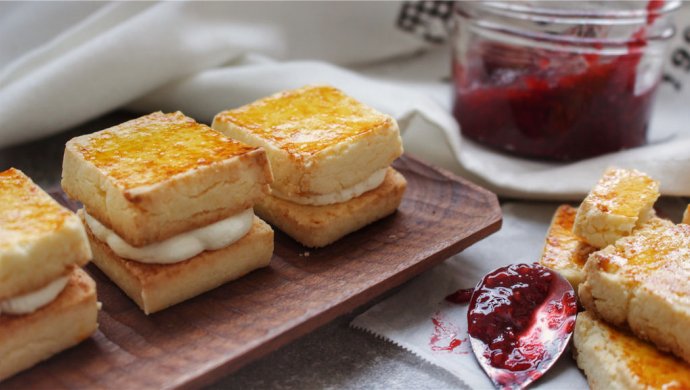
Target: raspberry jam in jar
[[558, 80]]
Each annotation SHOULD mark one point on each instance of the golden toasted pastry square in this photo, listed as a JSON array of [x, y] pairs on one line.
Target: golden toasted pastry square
[[39, 239], [620, 201], [31, 338], [641, 282], [154, 177], [319, 140], [155, 287], [616, 359], [317, 226], [564, 252]]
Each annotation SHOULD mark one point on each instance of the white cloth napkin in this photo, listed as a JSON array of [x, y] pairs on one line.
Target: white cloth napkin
[[65, 63]]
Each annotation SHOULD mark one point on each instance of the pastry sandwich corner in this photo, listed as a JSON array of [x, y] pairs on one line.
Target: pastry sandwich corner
[[330, 156], [168, 206], [47, 302]]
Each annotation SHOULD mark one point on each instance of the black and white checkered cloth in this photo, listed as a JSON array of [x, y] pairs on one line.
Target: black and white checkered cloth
[[428, 19]]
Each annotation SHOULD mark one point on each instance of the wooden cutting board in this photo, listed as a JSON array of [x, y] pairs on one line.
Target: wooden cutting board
[[199, 341]]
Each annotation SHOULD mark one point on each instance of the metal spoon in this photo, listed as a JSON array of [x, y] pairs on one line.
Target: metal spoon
[[520, 320]]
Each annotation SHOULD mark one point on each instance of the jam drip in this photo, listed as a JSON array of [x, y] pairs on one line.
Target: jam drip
[[521, 316], [461, 296]]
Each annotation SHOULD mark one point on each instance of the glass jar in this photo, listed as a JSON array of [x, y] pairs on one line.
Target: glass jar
[[558, 80]]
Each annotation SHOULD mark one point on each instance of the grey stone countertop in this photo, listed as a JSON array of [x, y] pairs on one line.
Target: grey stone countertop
[[334, 356]]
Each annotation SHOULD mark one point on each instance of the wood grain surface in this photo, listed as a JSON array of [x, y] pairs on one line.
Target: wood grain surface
[[198, 341]]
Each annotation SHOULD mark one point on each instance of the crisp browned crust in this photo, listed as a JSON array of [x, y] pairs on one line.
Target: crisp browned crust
[[28, 339], [287, 118], [615, 359], [155, 287], [564, 252], [317, 226], [318, 139]]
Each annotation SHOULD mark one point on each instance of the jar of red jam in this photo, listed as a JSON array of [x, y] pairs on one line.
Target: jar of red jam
[[558, 80]]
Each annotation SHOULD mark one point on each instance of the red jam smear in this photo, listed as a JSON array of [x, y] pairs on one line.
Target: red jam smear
[[445, 336], [553, 105], [522, 316]]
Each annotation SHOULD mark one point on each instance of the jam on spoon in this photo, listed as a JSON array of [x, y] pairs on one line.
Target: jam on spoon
[[520, 320]]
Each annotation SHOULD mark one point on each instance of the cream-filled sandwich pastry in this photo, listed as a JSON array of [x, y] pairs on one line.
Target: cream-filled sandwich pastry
[[330, 156], [47, 303], [168, 206]]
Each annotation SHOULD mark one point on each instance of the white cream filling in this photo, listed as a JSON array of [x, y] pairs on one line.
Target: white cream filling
[[29, 303], [180, 247], [341, 196]]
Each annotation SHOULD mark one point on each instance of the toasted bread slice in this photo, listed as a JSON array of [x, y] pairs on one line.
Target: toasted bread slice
[[621, 200], [642, 282], [31, 338], [155, 287], [162, 174], [318, 226], [564, 252], [686, 215], [616, 359], [39, 239], [319, 140]]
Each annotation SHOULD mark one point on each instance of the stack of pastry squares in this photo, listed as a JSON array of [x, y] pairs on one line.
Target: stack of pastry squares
[[330, 156], [47, 302], [168, 206], [620, 204], [632, 273]]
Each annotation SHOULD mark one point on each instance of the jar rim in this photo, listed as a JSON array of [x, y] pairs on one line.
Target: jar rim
[[553, 14], [498, 16]]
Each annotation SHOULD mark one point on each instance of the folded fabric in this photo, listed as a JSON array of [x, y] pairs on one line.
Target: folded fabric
[[67, 63]]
